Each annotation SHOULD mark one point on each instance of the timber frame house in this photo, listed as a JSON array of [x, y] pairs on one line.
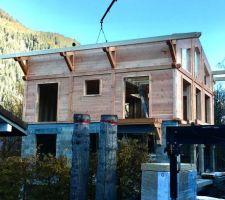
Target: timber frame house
[[146, 82]]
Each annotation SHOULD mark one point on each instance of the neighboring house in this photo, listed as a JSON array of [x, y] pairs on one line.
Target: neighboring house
[[11, 128], [11, 125], [149, 83]]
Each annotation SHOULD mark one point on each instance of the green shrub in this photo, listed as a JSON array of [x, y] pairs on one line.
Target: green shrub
[[130, 155], [49, 178], [34, 179]]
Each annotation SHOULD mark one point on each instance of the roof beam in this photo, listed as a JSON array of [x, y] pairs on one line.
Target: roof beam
[[111, 54], [179, 36], [218, 72], [69, 57], [23, 62], [173, 54], [219, 78]]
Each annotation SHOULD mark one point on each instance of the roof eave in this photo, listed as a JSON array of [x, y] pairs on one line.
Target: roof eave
[[177, 36]]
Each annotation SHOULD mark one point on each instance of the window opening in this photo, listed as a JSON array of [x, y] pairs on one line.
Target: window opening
[[46, 144], [186, 59], [48, 95], [136, 97], [198, 104], [92, 87], [197, 62], [186, 100], [206, 76], [207, 109]]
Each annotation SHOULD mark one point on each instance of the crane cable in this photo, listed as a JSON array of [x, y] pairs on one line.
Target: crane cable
[[101, 30], [102, 20]]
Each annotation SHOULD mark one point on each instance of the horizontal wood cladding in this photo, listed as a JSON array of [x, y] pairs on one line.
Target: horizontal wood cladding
[[95, 105], [165, 95], [134, 56], [143, 55], [32, 99], [47, 65], [72, 98], [149, 59], [162, 94]]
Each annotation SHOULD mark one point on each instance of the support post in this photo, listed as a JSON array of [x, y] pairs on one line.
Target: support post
[[193, 154], [80, 158], [212, 158], [201, 163], [106, 170], [173, 153], [161, 157]]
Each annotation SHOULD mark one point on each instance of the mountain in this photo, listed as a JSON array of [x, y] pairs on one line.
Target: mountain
[[15, 37]]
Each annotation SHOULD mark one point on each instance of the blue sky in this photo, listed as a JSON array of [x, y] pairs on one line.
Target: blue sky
[[128, 19]]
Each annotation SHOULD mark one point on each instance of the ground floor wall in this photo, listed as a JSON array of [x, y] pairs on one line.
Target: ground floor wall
[[38, 133], [63, 139]]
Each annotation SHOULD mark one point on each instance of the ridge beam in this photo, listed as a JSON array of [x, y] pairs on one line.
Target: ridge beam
[[170, 43], [111, 54], [23, 62], [69, 57]]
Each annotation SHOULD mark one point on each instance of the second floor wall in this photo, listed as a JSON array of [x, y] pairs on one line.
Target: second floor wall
[[165, 77]]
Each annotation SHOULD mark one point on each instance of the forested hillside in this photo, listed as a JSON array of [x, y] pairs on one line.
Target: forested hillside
[[14, 37]]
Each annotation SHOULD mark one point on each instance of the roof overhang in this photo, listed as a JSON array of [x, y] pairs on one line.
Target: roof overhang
[[11, 125], [177, 36]]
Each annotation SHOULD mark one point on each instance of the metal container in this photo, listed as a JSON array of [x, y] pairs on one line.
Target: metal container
[[156, 182]]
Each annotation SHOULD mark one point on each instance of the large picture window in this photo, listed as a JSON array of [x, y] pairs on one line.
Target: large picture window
[[136, 97]]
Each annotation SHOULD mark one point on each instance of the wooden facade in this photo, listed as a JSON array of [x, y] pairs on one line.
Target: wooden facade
[[176, 70]]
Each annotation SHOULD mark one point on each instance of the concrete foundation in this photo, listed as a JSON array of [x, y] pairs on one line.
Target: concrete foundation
[[156, 182]]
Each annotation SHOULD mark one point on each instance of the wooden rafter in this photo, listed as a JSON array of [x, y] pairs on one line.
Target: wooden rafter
[[23, 62], [173, 54], [111, 54], [218, 72], [70, 59]]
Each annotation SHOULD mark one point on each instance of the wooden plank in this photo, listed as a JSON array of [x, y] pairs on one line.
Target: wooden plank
[[100, 72], [218, 72], [140, 121], [162, 94], [219, 78], [175, 95]]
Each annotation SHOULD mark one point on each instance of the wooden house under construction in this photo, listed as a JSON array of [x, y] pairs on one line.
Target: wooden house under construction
[[146, 82]]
